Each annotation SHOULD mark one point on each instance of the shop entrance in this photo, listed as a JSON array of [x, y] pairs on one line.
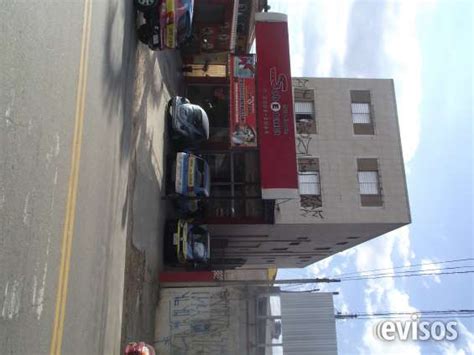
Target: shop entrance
[[235, 187]]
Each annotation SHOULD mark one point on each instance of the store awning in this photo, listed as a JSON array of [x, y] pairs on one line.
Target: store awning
[[276, 127]]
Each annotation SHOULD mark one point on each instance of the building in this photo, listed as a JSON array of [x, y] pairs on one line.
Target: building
[[350, 171], [220, 27], [301, 168], [242, 319]]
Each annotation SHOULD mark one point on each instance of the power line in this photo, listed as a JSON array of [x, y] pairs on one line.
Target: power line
[[435, 314], [407, 275], [406, 266], [408, 272]]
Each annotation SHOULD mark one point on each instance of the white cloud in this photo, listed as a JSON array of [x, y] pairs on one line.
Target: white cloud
[[434, 269], [464, 344], [333, 20], [374, 346], [332, 46], [404, 246], [403, 52], [380, 295]]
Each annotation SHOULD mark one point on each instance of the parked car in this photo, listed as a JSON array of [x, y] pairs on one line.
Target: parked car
[[191, 175], [168, 23], [187, 244], [188, 123]]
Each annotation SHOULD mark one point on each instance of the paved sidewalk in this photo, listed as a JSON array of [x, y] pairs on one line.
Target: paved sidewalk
[[157, 78]]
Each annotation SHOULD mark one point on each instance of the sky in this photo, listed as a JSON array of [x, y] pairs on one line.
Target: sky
[[426, 47]]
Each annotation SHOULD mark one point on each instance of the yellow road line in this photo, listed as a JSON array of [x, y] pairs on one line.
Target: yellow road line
[[68, 229]]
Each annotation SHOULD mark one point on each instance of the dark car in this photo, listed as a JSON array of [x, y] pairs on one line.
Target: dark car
[[187, 244], [168, 23], [188, 123]]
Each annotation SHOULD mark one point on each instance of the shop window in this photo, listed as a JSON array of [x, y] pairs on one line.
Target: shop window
[[205, 71], [235, 185]]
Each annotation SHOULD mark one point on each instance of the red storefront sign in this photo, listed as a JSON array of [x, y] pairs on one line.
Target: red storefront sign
[[243, 119], [276, 127]]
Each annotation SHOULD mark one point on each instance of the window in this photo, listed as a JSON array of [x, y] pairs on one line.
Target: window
[[235, 185], [309, 182], [361, 110], [369, 182], [304, 111], [269, 330], [360, 113], [308, 176]]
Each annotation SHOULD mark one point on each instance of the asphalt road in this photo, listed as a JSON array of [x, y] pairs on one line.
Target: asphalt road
[[66, 80]]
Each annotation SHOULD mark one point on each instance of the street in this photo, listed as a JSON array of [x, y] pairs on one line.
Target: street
[[82, 146]]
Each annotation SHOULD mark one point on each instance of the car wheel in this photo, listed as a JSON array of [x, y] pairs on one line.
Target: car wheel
[[145, 5]]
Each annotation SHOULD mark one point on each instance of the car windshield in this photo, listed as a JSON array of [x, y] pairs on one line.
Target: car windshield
[[196, 120], [199, 251], [201, 174], [197, 248], [199, 178]]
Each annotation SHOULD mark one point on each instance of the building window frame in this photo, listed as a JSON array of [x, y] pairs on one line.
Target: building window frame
[[309, 167], [362, 112], [369, 182], [305, 113]]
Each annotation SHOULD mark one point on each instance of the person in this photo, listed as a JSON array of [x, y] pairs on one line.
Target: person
[[139, 348]]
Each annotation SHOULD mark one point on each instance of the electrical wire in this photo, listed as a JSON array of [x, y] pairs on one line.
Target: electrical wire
[[407, 266], [434, 314], [415, 274]]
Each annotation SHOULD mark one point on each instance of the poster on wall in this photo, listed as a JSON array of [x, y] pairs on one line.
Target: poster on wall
[[243, 121]]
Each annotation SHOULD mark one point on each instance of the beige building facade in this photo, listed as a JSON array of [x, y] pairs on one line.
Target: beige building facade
[[350, 171]]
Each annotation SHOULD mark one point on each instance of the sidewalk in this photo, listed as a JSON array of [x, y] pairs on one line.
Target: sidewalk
[[157, 78]]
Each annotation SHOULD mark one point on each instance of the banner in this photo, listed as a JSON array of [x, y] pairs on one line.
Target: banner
[[243, 119]]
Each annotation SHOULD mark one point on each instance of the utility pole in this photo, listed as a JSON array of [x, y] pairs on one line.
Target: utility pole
[[218, 283]]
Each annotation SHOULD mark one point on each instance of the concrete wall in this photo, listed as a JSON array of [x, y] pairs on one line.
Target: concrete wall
[[209, 320], [338, 148], [304, 243]]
